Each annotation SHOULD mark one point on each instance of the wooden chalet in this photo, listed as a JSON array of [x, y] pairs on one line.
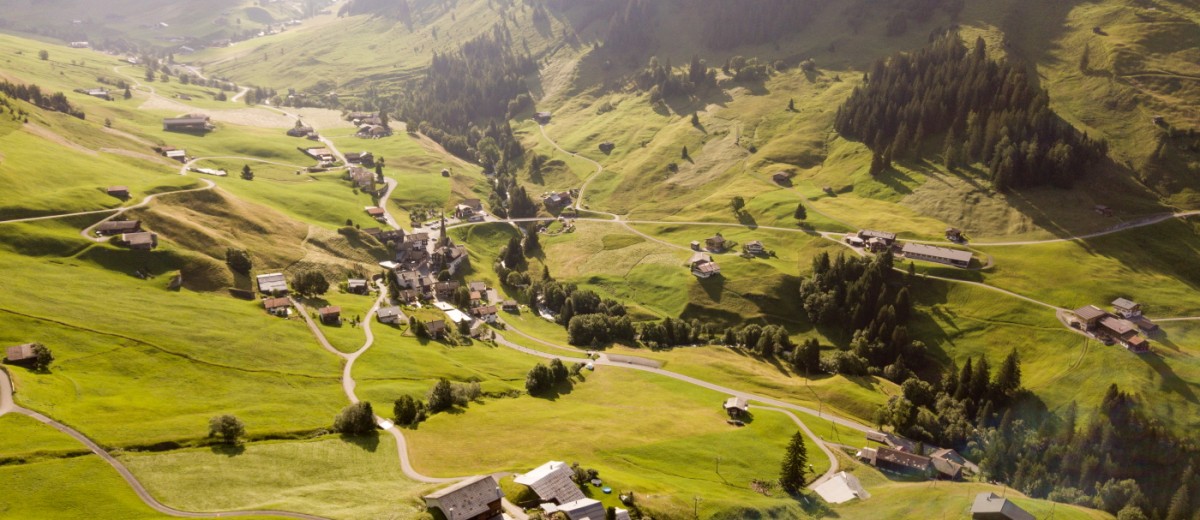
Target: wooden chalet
[[436, 329], [20, 355], [193, 123], [120, 192], [476, 498], [330, 315], [357, 286], [140, 241], [277, 306], [118, 227], [389, 315], [737, 407], [715, 244]]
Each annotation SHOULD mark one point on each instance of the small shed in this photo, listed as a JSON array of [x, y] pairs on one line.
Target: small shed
[[330, 315], [357, 286], [510, 306], [737, 407], [120, 192], [140, 241], [20, 354]]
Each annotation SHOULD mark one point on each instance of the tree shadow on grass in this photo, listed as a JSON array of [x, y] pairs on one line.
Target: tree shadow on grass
[[1170, 380], [368, 442], [559, 389], [228, 450]]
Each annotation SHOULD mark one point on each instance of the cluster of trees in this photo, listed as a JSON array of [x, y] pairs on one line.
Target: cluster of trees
[[589, 319], [238, 260], [1120, 461], [355, 419], [409, 411], [542, 378], [33, 94], [861, 296], [662, 81], [951, 411], [982, 111], [746, 69], [310, 283]]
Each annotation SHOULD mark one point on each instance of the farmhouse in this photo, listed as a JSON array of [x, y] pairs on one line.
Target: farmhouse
[[582, 509], [320, 154], [363, 178], [1089, 316], [277, 306], [376, 213], [476, 498], [140, 241], [887, 238], [273, 283], [363, 158], [118, 227], [120, 192], [754, 247], [947, 469], [20, 354], [97, 93], [330, 315], [703, 266], [1137, 344], [486, 313], [300, 130], [436, 329], [954, 234], [449, 258], [854, 241], [445, 290], [941, 255], [897, 461], [1118, 328], [715, 244], [988, 506], [557, 200], [737, 407], [552, 483], [479, 287], [510, 306], [1126, 308], [389, 315], [842, 488], [357, 286], [463, 212], [189, 123]]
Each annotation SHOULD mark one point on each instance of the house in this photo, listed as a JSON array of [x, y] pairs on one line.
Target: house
[[486, 313], [988, 506], [389, 315], [476, 498], [754, 247], [898, 461], [176, 155], [842, 488], [479, 287], [463, 212], [331, 315], [542, 118], [357, 286], [363, 158], [376, 213], [1126, 308], [782, 179], [120, 192], [189, 123], [478, 329], [363, 178], [854, 241], [408, 296], [510, 306], [445, 290], [887, 238], [1089, 316], [552, 483], [273, 283], [1103, 210], [1137, 345], [950, 455], [737, 407], [703, 266], [1119, 329], [436, 329], [947, 469], [582, 509], [940, 255], [98, 93], [356, 117], [320, 154], [277, 306], [476, 205], [695, 245], [557, 200], [476, 298], [20, 354], [449, 258], [715, 244], [300, 131], [140, 241], [118, 227]]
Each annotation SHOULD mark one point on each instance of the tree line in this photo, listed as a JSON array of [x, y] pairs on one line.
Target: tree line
[[983, 111], [33, 94]]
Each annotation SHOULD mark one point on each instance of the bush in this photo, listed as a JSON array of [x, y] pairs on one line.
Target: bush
[[441, 397], [227, 427], [355, 419], [408, 411]]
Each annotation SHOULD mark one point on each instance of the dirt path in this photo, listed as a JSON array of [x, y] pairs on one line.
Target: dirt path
[[8, 406], [833, 461]]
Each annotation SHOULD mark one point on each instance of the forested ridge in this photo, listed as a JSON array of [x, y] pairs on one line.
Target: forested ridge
[[970, 108]]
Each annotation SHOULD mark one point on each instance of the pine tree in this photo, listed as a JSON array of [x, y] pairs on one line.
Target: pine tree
[[795, 464], [1179, 504], [801, 212], [791, 105], [1008, 379], [247, 173], [877, 164], [685, 153]]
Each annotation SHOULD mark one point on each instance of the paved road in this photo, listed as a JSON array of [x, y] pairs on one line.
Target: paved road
[[833, 461], [8, 406]]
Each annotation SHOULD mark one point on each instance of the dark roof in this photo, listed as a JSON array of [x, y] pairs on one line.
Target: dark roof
[[484, 311], [1090, 312], [945, 253], [140, 239], [435, 326], [330, 311], [120, 225], [995, 507], [466, 499], [388, 312], [276, 303], [198, 120], [902, 458], [948, 468], [877, 234], [1116, 325], [1124, 304]]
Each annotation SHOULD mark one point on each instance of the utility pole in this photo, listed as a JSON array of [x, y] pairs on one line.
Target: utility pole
[[696, 506], [718, 465]]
